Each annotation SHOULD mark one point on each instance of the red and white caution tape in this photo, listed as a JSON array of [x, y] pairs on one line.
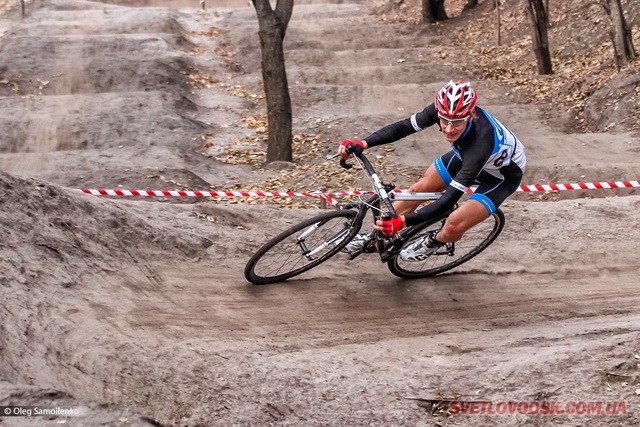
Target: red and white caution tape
[[580, 186], [329, 196], [185, 193]]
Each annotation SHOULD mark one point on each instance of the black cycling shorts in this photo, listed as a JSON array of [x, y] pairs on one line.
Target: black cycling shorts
[[491, 191]]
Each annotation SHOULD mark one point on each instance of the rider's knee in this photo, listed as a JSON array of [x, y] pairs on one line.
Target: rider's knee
[[417, 187], [454, 229]]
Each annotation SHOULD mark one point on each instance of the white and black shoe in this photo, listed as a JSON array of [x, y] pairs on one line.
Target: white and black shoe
[[357, 243], [422, 248]]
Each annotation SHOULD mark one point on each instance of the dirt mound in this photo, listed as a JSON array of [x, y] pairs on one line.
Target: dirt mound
[[56, 238], [85, 91], [62, 123], [72, 257], [67, 49], [615, 105]]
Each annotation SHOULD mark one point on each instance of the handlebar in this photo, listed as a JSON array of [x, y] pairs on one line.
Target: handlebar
[[378, 186], [345, 164]]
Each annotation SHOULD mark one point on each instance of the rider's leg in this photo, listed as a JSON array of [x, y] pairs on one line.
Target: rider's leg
[[462, 219], [489, 195], [430, 182]]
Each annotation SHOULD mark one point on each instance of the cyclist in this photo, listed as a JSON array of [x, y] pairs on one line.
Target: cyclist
[[483, 151]]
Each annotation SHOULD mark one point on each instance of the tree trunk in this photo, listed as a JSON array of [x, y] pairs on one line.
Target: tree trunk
[[470, 5], [272, 28], [539, 22], [439, 12], [497, 6], [433, 10], [546, 9], [622, 39], [427, 12]]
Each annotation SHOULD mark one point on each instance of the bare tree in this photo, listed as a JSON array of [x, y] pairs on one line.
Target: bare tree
[[539, 23], [433, 10], [621, 33], [546, 9], [272, 28], [470, 5], [497, 7]]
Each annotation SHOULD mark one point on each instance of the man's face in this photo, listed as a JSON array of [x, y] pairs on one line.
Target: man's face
[[452, 129]]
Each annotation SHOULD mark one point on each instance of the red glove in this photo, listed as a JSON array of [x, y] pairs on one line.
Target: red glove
[[392, 226], [357, 145]]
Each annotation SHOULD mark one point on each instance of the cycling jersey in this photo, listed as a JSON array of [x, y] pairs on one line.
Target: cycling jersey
[[487, 152]]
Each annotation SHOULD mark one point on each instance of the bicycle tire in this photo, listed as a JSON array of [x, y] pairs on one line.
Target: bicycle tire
[[474, 241], [283, 257]]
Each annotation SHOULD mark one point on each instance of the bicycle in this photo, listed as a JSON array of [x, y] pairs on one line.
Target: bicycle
[[315, 240]]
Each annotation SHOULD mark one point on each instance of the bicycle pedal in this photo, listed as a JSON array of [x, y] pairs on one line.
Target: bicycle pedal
[[450, 249]]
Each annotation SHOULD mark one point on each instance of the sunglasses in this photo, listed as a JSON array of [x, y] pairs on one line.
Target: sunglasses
[[456, 123]]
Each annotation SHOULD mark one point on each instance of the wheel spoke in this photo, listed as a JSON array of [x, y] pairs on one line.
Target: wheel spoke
[[302, 247]]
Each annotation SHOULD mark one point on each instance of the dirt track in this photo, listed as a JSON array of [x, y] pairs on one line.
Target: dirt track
[[143, 305]]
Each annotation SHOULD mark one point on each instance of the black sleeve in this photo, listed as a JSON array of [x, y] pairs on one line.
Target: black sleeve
[[403, 128], [439, 207]]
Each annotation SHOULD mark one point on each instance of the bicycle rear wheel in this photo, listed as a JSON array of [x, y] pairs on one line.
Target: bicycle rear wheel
[[449, 256], [302, 247]]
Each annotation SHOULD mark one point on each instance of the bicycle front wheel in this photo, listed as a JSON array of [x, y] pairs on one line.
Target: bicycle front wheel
[[474, 241], [302, 247]]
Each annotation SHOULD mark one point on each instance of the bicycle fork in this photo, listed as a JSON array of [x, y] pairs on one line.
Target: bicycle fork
[[309, 253]]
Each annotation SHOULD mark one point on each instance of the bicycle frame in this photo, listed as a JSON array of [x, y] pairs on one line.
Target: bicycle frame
[[386, 246], [385, 191]]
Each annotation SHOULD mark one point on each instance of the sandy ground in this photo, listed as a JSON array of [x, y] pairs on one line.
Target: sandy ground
[[137, 311]]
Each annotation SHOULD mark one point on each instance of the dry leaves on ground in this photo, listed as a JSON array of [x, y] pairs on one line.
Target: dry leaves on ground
[[582, 52]]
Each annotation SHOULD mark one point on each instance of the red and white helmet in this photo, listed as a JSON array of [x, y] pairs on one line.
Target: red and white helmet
[[456, 100]]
